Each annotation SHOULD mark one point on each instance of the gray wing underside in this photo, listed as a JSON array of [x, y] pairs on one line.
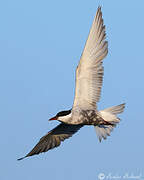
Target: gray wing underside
[[89, 73], [53, 138]]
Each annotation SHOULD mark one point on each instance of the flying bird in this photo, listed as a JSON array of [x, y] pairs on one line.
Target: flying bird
[[89, 79]]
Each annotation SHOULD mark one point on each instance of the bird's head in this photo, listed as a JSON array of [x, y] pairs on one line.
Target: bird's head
[[61, 115]]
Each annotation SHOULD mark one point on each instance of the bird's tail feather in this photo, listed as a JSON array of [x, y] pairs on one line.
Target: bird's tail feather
[[109, 115]]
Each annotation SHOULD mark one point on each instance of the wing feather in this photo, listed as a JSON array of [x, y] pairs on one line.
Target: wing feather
[[89, 73], [53, 138]]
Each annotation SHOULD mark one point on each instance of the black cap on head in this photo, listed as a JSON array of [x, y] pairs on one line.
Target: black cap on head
[[63, 113]]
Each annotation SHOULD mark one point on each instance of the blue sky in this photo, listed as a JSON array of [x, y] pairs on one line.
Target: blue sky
[[40, 45]]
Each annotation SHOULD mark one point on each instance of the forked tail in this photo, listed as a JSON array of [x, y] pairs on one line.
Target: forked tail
[[109, 115]]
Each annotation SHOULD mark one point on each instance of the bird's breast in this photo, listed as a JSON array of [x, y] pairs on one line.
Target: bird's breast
[[84, 117]]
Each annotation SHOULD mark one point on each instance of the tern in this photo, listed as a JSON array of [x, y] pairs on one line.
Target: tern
[[89, 79]]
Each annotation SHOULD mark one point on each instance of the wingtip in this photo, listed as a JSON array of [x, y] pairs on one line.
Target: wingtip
[[21, 158], [98, 12], [99, 8], [123, 104]]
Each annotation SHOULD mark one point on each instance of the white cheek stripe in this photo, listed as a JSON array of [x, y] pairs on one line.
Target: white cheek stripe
[[63, 118]]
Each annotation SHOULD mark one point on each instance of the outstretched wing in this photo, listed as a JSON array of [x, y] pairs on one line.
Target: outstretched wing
[[89, 73], [53, 138]]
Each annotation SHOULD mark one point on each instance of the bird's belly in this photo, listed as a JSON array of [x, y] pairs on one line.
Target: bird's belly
[[88, 117]]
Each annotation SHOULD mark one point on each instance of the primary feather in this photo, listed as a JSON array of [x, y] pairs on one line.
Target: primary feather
[[53, 138]]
